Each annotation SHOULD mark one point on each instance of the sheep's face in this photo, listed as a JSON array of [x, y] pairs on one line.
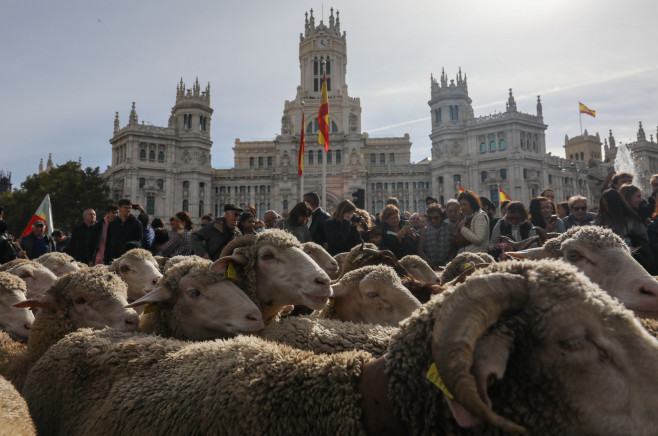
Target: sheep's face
[[15, 321], [321, 257], [59, 263], [373, 295], [139, 273], [615, 271], [419, 269], [38, 279], [287, 275]]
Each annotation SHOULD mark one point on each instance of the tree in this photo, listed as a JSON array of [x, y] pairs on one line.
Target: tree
[[71, 190]]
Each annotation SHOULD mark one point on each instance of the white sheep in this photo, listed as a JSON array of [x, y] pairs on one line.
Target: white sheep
[[168, 262], [419, 269], [16, 322], [519, 346], [139, 270], [38, 279], [371, 294], [90, 297], [606, 259], [191, 302], [274, 272], [321, 257], [59, 263], [15, 418]]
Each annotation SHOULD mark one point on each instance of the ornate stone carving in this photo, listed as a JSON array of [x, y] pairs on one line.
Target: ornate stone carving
[[354, 123], [186, 156]]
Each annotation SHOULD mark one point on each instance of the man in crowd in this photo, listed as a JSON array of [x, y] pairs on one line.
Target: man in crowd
[[270, 219], [98, 236], [62, 241], [209, 241], [123, 234], [36, 243], [452, 213], [318, 217], [78, 246]]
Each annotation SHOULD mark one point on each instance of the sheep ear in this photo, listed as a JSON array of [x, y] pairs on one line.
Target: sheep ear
[[531, 253], [158, 295], [45, 301], [339, 290], [222, 264]]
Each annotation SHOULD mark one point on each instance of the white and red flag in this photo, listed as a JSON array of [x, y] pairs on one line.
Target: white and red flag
[[44, 213]]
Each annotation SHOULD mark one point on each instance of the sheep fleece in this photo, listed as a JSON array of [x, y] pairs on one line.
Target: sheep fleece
[[110, 382]]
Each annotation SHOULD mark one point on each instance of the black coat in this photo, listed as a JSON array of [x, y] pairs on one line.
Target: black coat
[[121, 237], [78, 249], [318, 217]]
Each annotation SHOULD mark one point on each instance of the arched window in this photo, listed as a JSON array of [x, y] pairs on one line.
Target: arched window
[[202, 185], [483, 176], [338, 157], [437, 115], [391, 158], [269, 162], [186, 205], [285, 204], [142, 154], [310, 157], [503, 174], [492, 146], [582, 156], [379, 185], [160, 184], [400, 185], [200, 208], [260, 162], [186, 185], [222, 190], [329, 157], [152, 155], [382, 159], [161, 156], [142, 182], [334, 127], [150, 205], [251, 162], [262, 188], [421, 185], [373, 159], [380, 205], [320, 156], [243, 189], [483, 147], [502, 145]]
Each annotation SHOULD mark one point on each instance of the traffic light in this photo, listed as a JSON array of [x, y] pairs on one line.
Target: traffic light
[[359, 198]]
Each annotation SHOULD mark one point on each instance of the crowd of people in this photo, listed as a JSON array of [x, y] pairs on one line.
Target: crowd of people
[[468, 223]]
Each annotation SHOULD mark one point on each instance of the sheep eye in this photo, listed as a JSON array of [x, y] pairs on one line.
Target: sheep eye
[[194, 292], [124, 268], [267, 256], [80, 300], [572, 255], [371, 294], [24, 275], [491, 380]]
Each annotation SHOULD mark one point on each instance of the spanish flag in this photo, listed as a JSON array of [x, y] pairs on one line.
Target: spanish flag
[[461, 189], [323, 115], [502, 196], [585, 110], [300, 156]]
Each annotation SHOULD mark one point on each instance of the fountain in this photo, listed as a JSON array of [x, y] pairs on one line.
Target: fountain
[[624, 162]]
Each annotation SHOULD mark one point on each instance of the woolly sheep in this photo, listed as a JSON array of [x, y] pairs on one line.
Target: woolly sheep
[[371, 294], [38, 279], [139, 270], [606, 259], [15, 419], [172, 261], [340, 259], [59, 263], [86, 298], [321, 257], [419, 269], [16, 322], [518, 346], [461, 263], [193, 303], [274, 272]]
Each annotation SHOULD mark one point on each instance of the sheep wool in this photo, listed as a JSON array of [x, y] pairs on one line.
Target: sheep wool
[[15, 419], [137, 384]]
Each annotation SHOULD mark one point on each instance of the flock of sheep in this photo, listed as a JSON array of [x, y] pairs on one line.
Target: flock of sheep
[[560, 345]]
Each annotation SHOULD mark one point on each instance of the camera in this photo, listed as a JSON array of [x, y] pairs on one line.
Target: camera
[[356, 218], [135, 206]]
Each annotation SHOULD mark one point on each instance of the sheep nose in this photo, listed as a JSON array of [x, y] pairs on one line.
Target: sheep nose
[[155, 280], [649, 291], [132, 321], [27, 325], [323, 280], [255, 316]]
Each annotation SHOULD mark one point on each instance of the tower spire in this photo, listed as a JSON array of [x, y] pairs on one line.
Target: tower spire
[[640, 133], [511, 103]]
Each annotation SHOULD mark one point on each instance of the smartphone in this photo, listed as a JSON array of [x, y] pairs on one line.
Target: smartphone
[[135, 207]]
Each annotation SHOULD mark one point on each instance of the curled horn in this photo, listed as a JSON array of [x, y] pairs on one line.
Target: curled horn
[[240, 241], [461, 278], [521, 245], [371, 251], [476, 306]]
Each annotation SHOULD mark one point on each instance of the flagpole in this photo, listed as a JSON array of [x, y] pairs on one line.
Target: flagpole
[[324, 161], [580, 117], [301, 194]]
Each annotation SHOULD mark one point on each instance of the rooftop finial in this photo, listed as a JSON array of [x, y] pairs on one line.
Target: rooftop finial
[[511, 103], [539, 107], [640, 133]]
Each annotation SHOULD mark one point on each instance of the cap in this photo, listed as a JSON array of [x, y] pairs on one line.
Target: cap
[[232, 207], [39, 223]]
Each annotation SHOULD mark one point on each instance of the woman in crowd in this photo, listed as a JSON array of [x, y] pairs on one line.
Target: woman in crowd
[[179, 242], [473, 230], [562, 210], [541, 215], [246, 223], [633, 197], [579, 215], [515, 225], [340, 232], [160, 235], [550, 194], [400, 239], [435, 241], [365, 222], [296, 222]]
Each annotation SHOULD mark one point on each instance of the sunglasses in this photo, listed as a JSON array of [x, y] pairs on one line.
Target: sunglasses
[[579, 209]]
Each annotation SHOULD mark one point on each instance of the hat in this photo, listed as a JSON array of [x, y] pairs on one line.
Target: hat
[[39, 223], [232, 207]]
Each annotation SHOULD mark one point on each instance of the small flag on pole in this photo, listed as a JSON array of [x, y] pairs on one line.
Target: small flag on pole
[[44, 213], [323, 115], [302, 146], [502, 196], [461, 189], [585, 110]]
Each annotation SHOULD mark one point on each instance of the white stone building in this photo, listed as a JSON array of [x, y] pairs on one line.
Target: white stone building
[[168, 169]]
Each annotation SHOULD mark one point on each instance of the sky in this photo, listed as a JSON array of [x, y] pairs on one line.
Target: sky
[[66, 67]]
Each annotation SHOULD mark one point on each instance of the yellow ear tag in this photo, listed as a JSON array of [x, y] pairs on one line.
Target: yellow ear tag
[[231, 273], [331, 302], [433, 376], [466, 266], [151, 307]]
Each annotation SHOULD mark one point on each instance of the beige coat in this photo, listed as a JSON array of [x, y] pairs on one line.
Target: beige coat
[[477, 233]]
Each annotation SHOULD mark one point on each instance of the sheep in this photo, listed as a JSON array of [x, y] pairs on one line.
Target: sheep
[[274, 272], [16, 322], [321, 257], [193, 303], [15, 418], [340, 259], [419, 269], [606, 259], [461, 263], [371, 294], [172, 261], [90, 297], [519, 346], [38, 278], [139, 270], [58, 263]]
